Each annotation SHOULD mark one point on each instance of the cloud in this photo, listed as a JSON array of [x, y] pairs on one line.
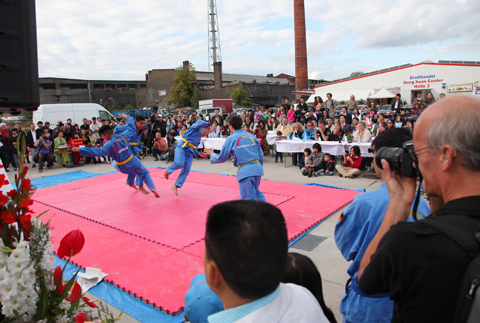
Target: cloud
[[124, 39]]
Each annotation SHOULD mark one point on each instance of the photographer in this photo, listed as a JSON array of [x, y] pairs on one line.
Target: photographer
[[356, 227], [352, 163], [159, 146], [170, 124], [418, 264]]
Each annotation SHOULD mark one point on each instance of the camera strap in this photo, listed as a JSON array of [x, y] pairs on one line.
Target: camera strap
[[417, 198]]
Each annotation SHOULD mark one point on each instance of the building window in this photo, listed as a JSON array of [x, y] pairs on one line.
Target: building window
[[111, 86], [98, 86], [47, 86], [121, 85], [74, 86], [132, 86], [143, 85]]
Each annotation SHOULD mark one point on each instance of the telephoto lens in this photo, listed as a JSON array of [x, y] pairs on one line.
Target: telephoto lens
[[400, 159]]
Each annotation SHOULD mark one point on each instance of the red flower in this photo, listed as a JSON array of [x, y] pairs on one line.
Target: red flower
[[8, 216], [26, 184], [12, 194], [75, 294], [57, 279], [71, 244], [81, 318], [3, 199], [3, 180], [89, 302], [25, 169], [25, 203]]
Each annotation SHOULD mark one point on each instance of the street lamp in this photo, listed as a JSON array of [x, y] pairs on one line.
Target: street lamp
[[113, 102]]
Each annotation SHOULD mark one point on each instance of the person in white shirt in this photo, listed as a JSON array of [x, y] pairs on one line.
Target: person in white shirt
[[362, 133], [246, 249], [95, 126]]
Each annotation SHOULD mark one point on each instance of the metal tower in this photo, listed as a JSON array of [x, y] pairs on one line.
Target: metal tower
[[214, 50]]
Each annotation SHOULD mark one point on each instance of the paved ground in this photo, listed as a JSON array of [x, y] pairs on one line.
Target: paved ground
[[326, 256]]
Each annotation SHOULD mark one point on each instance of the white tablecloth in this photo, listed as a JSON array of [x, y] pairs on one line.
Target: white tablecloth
[[332, 147]]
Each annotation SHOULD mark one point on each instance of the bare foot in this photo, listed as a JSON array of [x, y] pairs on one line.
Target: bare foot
[[155, 193], [174, 188], [166, 173], [133, 186], [144, 191]]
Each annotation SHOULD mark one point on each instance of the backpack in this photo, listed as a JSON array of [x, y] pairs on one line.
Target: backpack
[[467, 308]]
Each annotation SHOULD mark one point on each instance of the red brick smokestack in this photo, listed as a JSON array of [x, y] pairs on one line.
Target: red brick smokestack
[[301, 68]]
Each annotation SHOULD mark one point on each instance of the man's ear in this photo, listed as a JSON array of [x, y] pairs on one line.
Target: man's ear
[[213, 275]]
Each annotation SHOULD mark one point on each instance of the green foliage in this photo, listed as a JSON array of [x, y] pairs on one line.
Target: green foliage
[[183, 88], [26, 115], [196, 97], [357, 73], [240, 97], [129, 107]]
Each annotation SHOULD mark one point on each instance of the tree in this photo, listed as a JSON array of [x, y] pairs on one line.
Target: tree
[[240, 97], [183, 88], [129, 107], [196, 97], [357, 73]]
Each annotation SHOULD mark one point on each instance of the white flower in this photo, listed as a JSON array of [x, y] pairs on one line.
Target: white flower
[[19, 259], [62, 319], [13, 303], [4, 278], [37, 223]]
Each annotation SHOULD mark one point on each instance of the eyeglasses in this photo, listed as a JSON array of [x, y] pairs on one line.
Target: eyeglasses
[[415, 155]]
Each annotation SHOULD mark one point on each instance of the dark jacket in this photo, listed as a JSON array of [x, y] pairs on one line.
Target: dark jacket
[[30, 141], [303, 107]]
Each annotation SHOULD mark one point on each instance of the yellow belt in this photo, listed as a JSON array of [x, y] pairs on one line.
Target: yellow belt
[[250, 162], [134, 143], [125, 161], [187, 144]]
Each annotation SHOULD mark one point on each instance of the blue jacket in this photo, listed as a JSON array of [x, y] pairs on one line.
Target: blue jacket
[[246, 151], [119, 149], [354, 231], [193, 136], [130, 132]]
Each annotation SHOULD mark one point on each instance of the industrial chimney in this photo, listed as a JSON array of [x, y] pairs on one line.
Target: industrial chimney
[[301, 68]]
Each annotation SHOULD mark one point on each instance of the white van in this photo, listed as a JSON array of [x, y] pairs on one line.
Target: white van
[[75, 111], [209, 111]]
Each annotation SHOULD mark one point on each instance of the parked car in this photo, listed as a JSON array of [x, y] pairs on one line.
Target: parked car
[[386, 110], [209, 111]]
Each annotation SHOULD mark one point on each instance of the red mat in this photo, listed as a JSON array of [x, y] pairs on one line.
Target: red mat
[[151, 247]]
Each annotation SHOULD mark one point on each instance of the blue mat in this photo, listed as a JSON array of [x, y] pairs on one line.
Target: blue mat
[[53, 180]]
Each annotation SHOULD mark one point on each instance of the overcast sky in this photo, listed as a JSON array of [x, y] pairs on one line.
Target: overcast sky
[[123, 40]]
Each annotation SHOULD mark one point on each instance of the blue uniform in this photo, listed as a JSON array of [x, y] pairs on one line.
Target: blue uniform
[[186, 150], [124, 161], [130, 132], [248, 157], [353, 233]]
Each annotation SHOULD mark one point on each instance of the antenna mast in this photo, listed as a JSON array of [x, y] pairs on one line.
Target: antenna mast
[[214, 50]]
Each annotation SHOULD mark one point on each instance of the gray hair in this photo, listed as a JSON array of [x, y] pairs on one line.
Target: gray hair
[[3, 124], [364, 124], [459, 129]]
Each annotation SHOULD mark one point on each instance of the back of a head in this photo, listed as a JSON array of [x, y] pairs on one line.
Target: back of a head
[[248, 242], [105, 130], [300, 270], [455, 121], [394, 137], [236, 122], [139, 118]]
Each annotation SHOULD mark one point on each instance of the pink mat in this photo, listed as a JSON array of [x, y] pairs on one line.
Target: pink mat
[[152, 248]]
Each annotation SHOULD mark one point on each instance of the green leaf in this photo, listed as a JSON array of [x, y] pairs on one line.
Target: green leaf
[[6, 249]]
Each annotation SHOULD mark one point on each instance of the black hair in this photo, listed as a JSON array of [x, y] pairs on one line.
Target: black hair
[[301, 270], [45, 127], [279, 133], [394, 137], [139, 118], [39, 122], [317, 145], [13, 129], [355, 119], [321, 122], [248, 242], [94, 118], [308, 150], [356, 150], [235, 122], [105, 129], [327, 154], [399, 95], [61, 124]]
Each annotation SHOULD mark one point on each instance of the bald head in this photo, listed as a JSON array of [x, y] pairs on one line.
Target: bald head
[[453, 121]]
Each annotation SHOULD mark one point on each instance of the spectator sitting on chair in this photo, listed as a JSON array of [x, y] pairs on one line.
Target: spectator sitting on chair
[[330, 124], [352, 164], [329, 166], [285, 128], [43, 145], [362, 134], [316, 161], [247, 129], [302, 271], [214, 131], [253, 234], [62, 153], [336, 134], [322, 133], [159, 146], [309, 133]]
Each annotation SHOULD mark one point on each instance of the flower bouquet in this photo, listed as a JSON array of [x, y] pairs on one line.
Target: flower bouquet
[[30, 290], [349, 137]]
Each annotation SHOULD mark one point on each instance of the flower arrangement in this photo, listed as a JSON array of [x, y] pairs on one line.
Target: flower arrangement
[[30, 290], [349, 136]]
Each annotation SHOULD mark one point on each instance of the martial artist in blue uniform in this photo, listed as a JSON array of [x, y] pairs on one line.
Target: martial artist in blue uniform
[[185, 151], [248, 157], [124, 160], [132, 132], [354, 231]]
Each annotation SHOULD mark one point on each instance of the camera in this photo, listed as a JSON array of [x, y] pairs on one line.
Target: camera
[[371, 150], [400, 159], [411, 118]]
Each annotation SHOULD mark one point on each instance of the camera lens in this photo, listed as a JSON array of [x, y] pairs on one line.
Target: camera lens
[[392, 155]]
